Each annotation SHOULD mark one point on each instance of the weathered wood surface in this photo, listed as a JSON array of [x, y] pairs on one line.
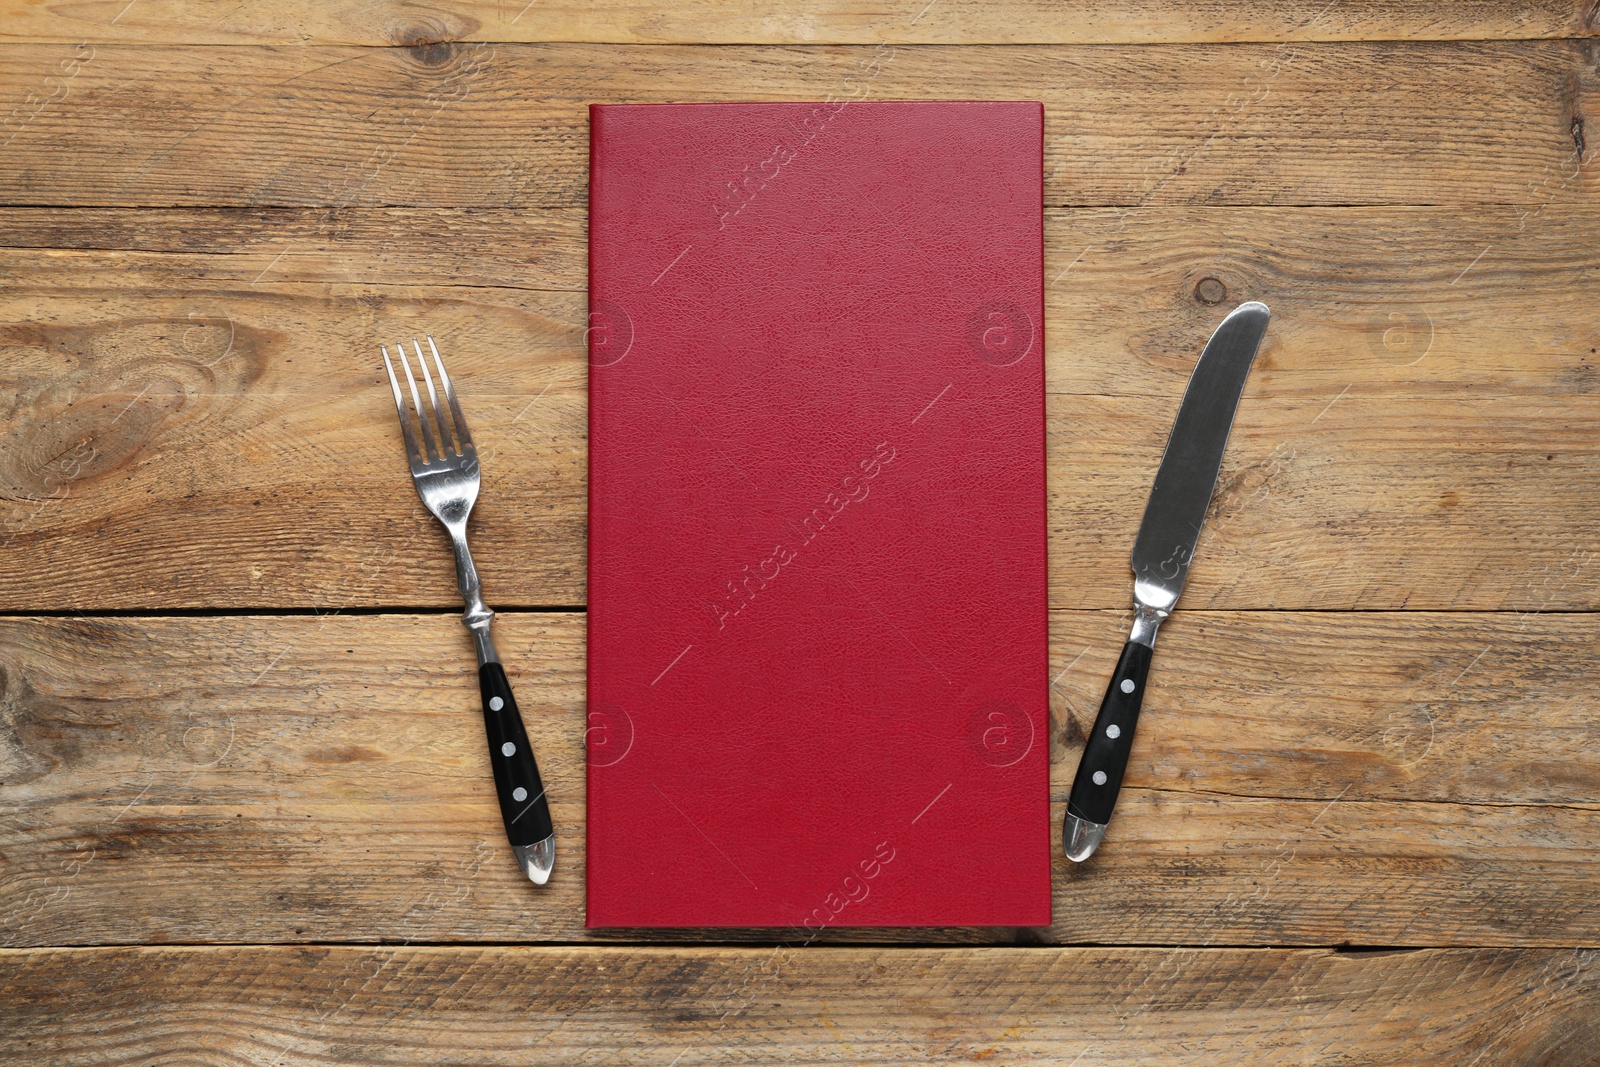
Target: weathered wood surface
[[187, 387], [1316, 778], [506, 124], [768, 21], [691, 1006], [1397, 301], [200, 246]]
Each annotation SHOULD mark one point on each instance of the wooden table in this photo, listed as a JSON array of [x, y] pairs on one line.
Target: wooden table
[[244, 811]]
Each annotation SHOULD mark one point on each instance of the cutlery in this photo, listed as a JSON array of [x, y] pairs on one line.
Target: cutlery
[[1162, 552], [445, 470]]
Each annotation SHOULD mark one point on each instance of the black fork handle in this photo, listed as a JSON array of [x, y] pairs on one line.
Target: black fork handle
[[523, 806]]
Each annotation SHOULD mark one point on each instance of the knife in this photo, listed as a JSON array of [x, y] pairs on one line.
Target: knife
[[1173, 516]]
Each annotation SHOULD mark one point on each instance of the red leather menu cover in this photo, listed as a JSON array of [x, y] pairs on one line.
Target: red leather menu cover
[[817, 606]]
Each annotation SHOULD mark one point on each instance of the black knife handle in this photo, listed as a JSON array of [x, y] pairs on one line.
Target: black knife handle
[[1105, 757], [516, 775]]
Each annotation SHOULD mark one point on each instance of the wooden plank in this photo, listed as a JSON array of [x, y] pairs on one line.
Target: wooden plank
[[505, 125], [184, 498], [826, 22], [1322, 778], [202, 449], [1386, 300], [188, 385], [1333, 504], [690, 1006]]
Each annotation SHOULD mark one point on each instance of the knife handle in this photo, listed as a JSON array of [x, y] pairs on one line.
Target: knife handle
[[516, 775], [1105, 756]]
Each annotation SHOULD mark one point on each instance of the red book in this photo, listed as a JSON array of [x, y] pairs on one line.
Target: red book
[[817, 606]]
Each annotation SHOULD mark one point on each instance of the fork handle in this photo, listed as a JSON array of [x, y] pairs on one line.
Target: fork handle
[[516, 774]]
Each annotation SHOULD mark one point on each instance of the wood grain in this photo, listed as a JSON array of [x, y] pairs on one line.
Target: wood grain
[[1398, 301], [827, 22], [209, 217], [1321, 778], [506, 124], [187, 386], [691, 1006]]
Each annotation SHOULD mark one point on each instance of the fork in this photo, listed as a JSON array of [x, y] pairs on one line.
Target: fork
[[445, 470]]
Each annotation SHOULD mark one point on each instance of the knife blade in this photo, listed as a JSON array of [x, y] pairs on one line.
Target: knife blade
[[1162, 552]]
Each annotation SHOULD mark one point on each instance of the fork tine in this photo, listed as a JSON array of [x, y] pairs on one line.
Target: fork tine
[[445, 447], [422, 418], [400, 407], [463, 435]]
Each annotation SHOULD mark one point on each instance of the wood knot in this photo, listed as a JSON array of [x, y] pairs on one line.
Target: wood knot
[[430, 31], [430, 51], [122, 384], [1210, 291]]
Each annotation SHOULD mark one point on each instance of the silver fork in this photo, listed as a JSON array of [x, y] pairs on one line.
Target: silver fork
[[445, 470]]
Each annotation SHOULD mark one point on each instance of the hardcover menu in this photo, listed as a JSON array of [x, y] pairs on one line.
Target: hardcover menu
[[817, 664]]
